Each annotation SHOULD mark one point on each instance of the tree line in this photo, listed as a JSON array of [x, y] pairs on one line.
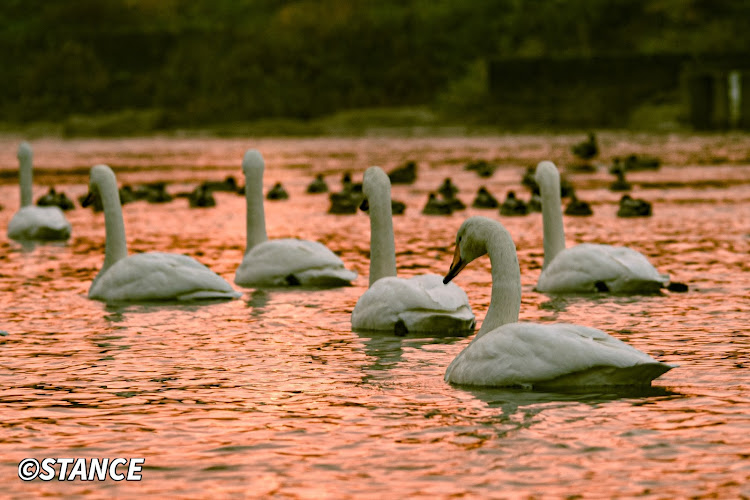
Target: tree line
[[213, 61]]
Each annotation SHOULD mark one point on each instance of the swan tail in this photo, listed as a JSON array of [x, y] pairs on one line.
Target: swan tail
[[603, 376], [325, 277], [210, 295], [461, 322]]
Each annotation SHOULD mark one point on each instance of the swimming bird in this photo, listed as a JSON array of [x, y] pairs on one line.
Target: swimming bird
[[641, 162], [348, 199], [201, 197], [535, 203], [145, 277], [513, 205], [447, 189], [448, 192], [620, 184], [229, 184], [632, 207], [483, 168], [435, 206], [418, 304], [577, 207], [484, 199], [405, 174], [508, 353], [586, 268], [55, 199], [127, 195], [277, 192], [398, 207], [587, 149], [154, 192], [283, 262], [33, 223], [318, 185]]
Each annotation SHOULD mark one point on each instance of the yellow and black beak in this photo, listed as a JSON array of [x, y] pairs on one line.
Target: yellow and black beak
[[90, 197], [456, 266], [365, 205]]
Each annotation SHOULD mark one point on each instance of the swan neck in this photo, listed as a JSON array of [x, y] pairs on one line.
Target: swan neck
[[505, 302], [382, 243], [115, 247], [25, 180], [256, 216], [552, 220]]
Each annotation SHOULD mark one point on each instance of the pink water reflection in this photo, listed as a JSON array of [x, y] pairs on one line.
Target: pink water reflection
[[274, 395]]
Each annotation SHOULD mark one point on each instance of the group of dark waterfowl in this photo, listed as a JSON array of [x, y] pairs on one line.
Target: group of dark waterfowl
[[443, 201]]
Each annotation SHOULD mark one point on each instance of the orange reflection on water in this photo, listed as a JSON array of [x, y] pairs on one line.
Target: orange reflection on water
[[274, 394]]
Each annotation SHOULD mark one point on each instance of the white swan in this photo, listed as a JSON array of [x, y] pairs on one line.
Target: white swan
[[32, 223], [419, 304], [586, 268], [285, 261], [507, 353], [146, 276]]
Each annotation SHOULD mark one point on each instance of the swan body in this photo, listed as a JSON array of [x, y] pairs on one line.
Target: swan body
[[507, 353], [589, 268], [418, 304], [34, 223], [156, 276], [291, 261], [148, 276], [586, 268], [286, 261]]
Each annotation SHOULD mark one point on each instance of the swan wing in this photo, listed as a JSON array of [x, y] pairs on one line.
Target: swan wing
[[588, 268], [292, 261], [422, 304], [159, 276], [33, 223], [530, 354]]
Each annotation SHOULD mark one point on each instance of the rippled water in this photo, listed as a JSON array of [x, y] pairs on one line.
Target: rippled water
[[274, 395]]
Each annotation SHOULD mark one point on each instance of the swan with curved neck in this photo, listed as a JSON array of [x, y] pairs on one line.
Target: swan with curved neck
[[32, 223], [586, 268], [507, 353], [283, 262], [149, 276], [418, 304]]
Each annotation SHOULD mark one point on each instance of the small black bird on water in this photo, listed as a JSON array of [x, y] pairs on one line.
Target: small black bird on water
[[277, 192], [513, 205], [318, 185], [53, 198], [577, 207], [587, 149], [405, 174], [631, 207]]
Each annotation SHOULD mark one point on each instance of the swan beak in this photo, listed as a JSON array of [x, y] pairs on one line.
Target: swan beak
[[456, 266], [365, 205], [88, 200]]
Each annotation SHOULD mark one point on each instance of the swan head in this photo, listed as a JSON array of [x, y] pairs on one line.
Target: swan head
[[471, 242], [24, 151], [547, 174], [374, 183], [100, 175], [253, 162]]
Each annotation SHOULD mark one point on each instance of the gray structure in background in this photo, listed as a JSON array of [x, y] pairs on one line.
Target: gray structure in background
[[713, 92]]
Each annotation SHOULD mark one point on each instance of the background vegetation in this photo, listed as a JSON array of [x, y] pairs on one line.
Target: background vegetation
[[156, 64]]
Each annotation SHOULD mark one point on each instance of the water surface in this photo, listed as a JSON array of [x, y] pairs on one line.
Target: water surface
[[274, 395]]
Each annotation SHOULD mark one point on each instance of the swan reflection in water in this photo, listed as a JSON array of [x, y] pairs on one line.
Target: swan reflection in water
[[513, 400]]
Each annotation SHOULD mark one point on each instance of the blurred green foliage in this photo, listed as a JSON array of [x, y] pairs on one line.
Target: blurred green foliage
[[170, 63]]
